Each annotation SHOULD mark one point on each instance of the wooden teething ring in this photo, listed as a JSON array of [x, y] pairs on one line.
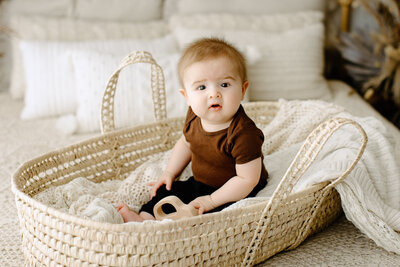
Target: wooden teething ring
[[182, 210]]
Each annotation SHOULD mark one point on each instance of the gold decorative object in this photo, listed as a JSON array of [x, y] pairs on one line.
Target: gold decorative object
[[345, 14], [372, 57]]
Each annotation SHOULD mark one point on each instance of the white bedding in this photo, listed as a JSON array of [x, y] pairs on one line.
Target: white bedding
[[369, 193], [22, 140]]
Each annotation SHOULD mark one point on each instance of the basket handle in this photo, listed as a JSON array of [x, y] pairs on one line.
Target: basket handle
[[306, 155], [157, 87]]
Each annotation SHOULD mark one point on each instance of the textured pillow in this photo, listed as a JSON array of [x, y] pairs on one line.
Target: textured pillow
[[48, 77], [133, 103], [291, 47], [54, 8], [62, 29], [253, 7], [50, 89], [268, 23], [118, 10]]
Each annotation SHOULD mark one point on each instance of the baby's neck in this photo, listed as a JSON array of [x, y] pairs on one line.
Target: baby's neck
[[214, 127]]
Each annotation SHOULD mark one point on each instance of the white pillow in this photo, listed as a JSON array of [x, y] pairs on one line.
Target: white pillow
[[66, 29], [246, 7], [276, 23], [133, 103], [118, 10], [48, 71], [62, 29], [49, 89], [292, 59], [54, 8]]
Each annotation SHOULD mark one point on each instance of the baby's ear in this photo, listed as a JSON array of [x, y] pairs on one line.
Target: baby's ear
[[244, 88], [182, 91]]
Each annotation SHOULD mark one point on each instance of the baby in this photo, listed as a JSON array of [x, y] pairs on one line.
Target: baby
[[221, 141]]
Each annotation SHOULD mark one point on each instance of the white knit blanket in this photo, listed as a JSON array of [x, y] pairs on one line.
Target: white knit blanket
[[370, 194]]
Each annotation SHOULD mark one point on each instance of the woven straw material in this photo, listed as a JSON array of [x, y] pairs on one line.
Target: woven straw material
[[246, 235]]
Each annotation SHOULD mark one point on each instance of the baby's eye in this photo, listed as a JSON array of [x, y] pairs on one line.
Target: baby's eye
[[201, 87], [224, 84]]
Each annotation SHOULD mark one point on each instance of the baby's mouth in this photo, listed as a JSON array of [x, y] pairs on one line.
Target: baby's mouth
[[215, 106]]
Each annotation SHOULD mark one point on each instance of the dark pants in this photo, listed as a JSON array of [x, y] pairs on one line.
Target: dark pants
[[187, 191]]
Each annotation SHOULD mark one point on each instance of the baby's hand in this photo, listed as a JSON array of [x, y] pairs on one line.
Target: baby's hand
[[203, 204], [164, 179]]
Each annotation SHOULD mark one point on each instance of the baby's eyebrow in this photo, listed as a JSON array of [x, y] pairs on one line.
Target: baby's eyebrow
[[195, 82], [228, 78]]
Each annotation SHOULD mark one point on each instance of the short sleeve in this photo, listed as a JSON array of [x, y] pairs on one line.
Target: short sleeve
[[247, 144]]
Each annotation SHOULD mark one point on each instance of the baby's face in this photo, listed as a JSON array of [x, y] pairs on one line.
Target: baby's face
[[214, 90]]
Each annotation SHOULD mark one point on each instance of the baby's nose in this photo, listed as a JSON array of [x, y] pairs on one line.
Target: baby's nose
[[214, 93]]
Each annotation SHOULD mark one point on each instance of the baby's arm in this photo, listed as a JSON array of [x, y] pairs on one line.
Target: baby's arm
[[179, 159], [236, 188]]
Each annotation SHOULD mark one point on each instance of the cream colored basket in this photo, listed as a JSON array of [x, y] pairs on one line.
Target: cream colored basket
[[246, 235]]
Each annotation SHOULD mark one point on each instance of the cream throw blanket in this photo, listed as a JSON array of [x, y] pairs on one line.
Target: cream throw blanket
[[370, 194]]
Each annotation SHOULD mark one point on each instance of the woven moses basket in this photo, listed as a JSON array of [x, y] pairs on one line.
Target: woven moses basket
[[246, 235]]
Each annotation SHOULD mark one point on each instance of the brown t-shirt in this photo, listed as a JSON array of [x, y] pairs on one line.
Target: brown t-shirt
[[215, 154]]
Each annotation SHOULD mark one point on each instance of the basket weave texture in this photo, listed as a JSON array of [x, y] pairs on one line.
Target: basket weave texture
[[246, 235]]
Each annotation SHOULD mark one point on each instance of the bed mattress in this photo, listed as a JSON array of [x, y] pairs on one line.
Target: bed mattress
[[342, 243]]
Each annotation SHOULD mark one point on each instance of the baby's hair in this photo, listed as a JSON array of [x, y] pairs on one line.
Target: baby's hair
[[207, 48]]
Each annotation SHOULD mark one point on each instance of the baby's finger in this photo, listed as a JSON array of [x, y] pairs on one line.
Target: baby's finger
[[201, 210], [156, 186], [168, 185], [153, 191], [195, 204]]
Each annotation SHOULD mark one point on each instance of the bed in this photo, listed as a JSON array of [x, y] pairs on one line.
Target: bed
[[52, 116], [342, 244]]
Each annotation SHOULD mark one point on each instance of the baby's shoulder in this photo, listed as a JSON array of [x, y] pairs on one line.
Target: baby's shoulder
[[242, 123], [245, 130]]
